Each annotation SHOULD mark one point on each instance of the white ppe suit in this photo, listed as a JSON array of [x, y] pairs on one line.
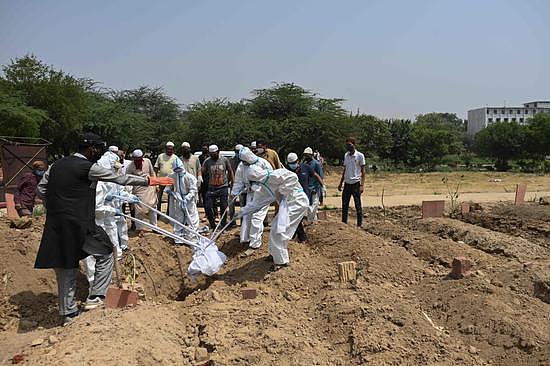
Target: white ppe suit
[[183, 200], [252, 226], [283, 186], [105, 211]]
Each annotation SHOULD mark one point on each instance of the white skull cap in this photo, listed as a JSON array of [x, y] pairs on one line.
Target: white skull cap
[[137, 153], [292, 158], [169, 144], [246, 155], [213, 148], [186, 144], [238, 147], [308, 150], [113, 148], [253, 144]]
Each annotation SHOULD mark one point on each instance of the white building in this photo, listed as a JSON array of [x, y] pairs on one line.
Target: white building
[[480, 118]]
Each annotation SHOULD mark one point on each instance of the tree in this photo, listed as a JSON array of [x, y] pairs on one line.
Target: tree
[[429, 145], [162, 116], [501, 141], [538, 136], [374, 135], [284, 100], [61, 95], [399, 151], [16, 118]]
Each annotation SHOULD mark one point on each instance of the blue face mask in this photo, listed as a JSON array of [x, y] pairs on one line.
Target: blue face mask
[[293, 166], [38, 172]]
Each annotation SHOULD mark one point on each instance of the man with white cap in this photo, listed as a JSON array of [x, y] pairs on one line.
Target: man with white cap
[[191, 162], [142, 167], [279, 185], [218, 176], [315, 185], [252, 225], [163, 168]]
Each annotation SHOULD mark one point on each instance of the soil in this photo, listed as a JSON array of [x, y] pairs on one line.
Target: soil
[[403, 309]]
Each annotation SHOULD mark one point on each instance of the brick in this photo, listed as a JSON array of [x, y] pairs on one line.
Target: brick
[[465, 208], [119, 298], [433, 208], [322, 215], [461, 267], [520, 194], [249, 293]]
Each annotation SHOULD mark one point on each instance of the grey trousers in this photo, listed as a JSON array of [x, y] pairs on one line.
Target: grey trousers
[[66, 283]]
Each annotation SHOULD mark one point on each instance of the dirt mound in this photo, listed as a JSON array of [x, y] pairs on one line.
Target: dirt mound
[[403, 309], [529, 221]]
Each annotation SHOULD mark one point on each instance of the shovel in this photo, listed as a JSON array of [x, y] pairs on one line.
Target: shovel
[[116, 296]]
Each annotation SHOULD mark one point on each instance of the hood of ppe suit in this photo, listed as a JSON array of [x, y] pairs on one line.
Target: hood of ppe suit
[[177, 166], [247, 156], [280, 181], [108, 160]]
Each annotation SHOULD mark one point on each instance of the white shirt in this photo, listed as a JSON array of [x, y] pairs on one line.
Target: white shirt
[[353, 164]]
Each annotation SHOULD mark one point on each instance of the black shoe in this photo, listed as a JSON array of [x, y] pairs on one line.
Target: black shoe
[[69, 318], [269, 258], [276, 267]]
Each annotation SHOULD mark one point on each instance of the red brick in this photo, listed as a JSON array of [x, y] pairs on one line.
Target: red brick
[[119, 298], [520, 194], [461, 267], [433, 208], [249, 293]]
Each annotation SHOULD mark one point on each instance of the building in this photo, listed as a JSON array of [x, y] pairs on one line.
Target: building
[[480, 118]]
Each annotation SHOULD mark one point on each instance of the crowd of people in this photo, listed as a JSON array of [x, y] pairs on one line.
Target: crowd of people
[[90, 195]]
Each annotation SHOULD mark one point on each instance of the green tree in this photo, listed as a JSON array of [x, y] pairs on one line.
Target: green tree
[[284, 100], [61, 95], [501, 141], [160, 116], [374, 135], [538, 136], [429, 145], [16, 118], [400, 149]]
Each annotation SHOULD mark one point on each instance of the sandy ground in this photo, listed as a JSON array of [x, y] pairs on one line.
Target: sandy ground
[[403, 309]]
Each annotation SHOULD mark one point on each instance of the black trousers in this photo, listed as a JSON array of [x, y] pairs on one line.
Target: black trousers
[[352, 190], [215, 197], [300, 232]]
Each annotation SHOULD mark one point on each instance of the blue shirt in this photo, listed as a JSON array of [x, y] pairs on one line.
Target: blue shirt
[[305, 176], [314, 184]]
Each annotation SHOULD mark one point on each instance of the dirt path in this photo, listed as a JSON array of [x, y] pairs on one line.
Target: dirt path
[[416, 199]]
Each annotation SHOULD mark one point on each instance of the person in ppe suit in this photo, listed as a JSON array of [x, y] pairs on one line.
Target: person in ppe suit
[[252, 225], [106, 208], [279, 185], [183, 199]]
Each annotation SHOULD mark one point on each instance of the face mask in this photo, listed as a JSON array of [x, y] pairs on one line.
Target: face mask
[[308, 158], [349, 147], [214, 156], [260, 150], [293, 166], [186, 153], [38, 172]]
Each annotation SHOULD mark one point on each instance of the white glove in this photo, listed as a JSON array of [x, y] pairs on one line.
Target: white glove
[[188, 198], [324, 191], [199, 180]]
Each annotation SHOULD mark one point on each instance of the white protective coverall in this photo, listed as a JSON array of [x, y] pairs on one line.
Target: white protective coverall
[[283, 186], [105, 211], [183, 200], [252, 226]]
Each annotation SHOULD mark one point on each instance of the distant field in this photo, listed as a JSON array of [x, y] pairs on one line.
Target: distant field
[[412, 188]]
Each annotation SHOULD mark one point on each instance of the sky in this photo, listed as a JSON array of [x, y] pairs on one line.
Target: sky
[[392, 59]]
